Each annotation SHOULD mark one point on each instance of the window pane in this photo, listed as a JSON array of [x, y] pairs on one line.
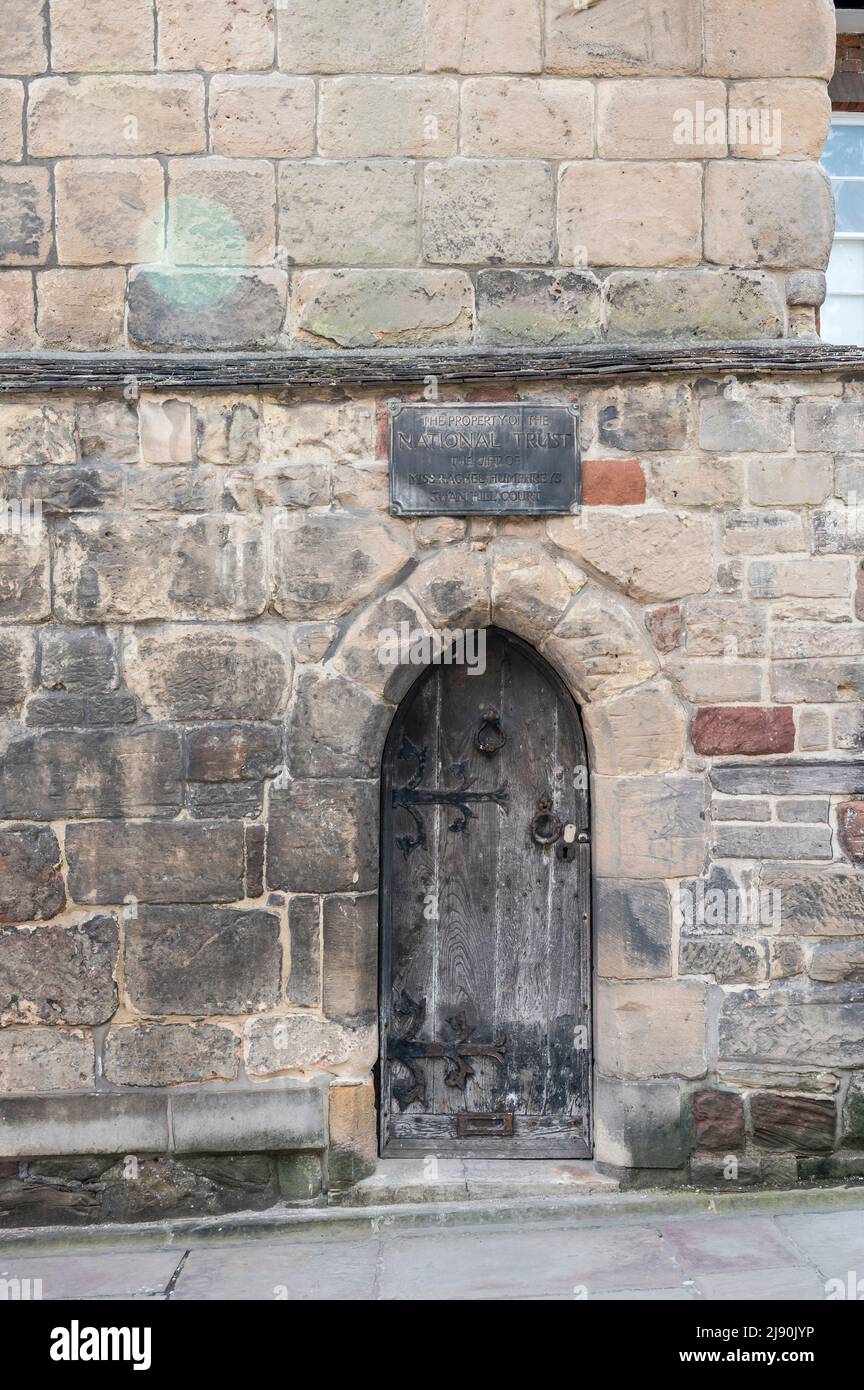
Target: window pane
[[849, 202], [846, 268], [844, 150], [843, 319]]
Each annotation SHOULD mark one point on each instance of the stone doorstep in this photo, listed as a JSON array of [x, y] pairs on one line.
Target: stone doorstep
[[398, 1181], [310, 1223]]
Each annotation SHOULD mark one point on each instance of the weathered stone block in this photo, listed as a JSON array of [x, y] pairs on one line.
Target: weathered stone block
[[651, 1028], [25, 215], [853, 1114], [803, 1124], [353, 1151], [346, 211], [237, 960], [729, 962], [96, 115], [652, 556], [102, 35], [304, 928], [350, 954], [303, 1043], [229, 34], [382, 308], [773, 842], [650, 827], [692, 304], [34, 1060], [207, 673], [835, 961], [270, 116], [515, 307], [641, 1125], [17, 311], [167, 1054], [530, 590], [59, 974], [724, 627], [768, 214], [795, 116], [795, 38], [225, 801], [233, 752], [764, 533], [299, 1176], [36, 434], [17, 660], [180, 861], [484, 210], [850, 826], [408, 116], [622, 39], [639, 214], [755, 730], [191, 310], [52, 776], [744, 426], [645, 421], [275, 1118], [829, 426], [143, 567], [642, 730], [792, 1029], [350, 35], [525, 118], [81, 310], [24, 585], [336, 728], [599, 647], [328, 562], [633, 929], [612, 483], [24, 48], [221, 211], [718, 1121], [11, 111], [800, 778], [98, 1123], [322, 837], [642, 120], [80, 660], [31, 881], [483, 36]]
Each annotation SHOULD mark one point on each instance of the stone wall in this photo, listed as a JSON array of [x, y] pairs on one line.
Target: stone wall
[[267, 173], [193, 714]]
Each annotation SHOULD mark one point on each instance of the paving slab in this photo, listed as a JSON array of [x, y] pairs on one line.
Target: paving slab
[[127, 1274], [764, 1285], [833, 1241], [281, 1270], [714, 1244]]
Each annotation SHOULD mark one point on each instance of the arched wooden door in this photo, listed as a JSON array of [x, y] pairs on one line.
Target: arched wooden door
[[485, 927]]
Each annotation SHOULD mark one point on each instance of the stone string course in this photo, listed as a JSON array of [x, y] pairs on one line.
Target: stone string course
[[192, 721], [266, 173]]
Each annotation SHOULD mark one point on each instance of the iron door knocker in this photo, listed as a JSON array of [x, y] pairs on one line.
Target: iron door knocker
[[490, 737], [546, 827]]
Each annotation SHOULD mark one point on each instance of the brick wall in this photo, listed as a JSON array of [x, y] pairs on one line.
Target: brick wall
[[262, 173], [846, 88]]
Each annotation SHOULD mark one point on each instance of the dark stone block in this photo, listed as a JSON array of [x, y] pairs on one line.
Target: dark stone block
[[634, 929], [793, 1124], [351, 958], [256, 839], [237, 961], [45, 1204], [640, 420], [304, 925], [52, 776], [56, 712], [322, 837], [718, 1121], [788, 779], [209, 309], [72, 488], [78, 660], [228, 800], [165, 1054], [59, 974], [176, 862], [31, 882], [165, 1187], [233, 752], [730, 962], [337, 729]]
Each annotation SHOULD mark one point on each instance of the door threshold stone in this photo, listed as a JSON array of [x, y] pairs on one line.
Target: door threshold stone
[[406, 1180]]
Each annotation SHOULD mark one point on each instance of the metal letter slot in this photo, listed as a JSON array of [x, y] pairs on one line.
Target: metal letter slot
[[478, 1126]]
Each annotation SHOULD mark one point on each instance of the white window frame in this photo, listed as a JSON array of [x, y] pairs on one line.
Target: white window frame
[[848, 118]]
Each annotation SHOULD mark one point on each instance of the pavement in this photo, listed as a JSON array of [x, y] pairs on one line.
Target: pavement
[[795, 1246]]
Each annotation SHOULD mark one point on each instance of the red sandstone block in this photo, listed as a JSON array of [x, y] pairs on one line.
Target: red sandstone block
[[850, 822], [612, 483], [743, 729]]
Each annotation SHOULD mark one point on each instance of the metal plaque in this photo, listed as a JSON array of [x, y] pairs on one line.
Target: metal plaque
[[484, 460]]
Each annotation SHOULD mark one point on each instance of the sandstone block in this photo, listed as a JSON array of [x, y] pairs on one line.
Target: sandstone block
[[723, 627], [718, 1121], [785, 482], [516, 307], [221, 211], [353, 1151], [350, 35], [81, 310], [126, 116], [612, 483], [169, 862], [792, 778], [302, 1043], [643, 120], [752, 731], [237, 961], [795, 1029], [853, 1114], [728, 962], [102, 35], [692, 304], [642, 730], [304, 928], [24, 586], [801, 1123], [233, 752], [34, 1060], [794, 115], [640, 1124], [795, 38], [850, 827], [326, 563], [652, 556], [527, 118], [82, 660], [599, 647], [144, 567], [768, 214], [382, 308], [165, 1054], [336, 728], [835, 961], [322, 837], [17, 311], [651, 1028], [830, 426], [55, 776], [799, 578], [188, 310], [31, 880], [764, 533], [348, 211], [650, 827], [17, 660], [24, 48], [773, 842], [408, 116], [452, 587], [207, 673], [530, 590], [727, 424], [270, 116], [59, 974], [25, 215], [621, 39], [482, 210], [634, 929], [227, 35], [645, 420], [11, 111], [350, 956], [483, 36], [639, 214], [729, 679], [109, 210]]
